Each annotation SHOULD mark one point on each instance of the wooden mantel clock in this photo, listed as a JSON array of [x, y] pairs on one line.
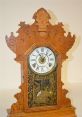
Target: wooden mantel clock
[[41, 48]]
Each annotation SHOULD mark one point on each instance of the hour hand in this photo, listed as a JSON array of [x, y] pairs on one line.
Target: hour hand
[[40, 55]]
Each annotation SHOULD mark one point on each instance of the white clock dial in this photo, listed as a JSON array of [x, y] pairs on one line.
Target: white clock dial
[[42, 60]]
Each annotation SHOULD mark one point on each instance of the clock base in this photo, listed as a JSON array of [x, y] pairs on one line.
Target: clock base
[[63, 112]]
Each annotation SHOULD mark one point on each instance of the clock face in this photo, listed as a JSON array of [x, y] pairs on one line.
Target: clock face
[[42, 60]]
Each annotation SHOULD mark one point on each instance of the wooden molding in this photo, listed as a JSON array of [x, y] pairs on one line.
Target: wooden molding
[[63, 112]]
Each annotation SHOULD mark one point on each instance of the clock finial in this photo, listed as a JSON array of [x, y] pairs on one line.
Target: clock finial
[[42, 19], [43, 11]]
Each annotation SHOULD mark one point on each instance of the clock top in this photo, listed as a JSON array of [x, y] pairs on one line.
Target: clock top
[[41, 32]]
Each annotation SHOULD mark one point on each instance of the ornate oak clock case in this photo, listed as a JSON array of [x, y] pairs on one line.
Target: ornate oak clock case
[[41, 48]]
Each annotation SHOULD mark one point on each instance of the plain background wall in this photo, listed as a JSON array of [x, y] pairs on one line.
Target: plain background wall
[[14, 11]]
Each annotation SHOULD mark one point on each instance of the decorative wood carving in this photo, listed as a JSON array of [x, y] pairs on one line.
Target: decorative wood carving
[[40, 33]]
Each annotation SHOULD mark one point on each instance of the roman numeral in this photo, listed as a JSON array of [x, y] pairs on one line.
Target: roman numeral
[[42, 49], [37, 51], [51, 59], [47, 51], [50, 54], [34, 65], [37, 68], [33, 59], [42, 69], [33, 55], [50, 64]]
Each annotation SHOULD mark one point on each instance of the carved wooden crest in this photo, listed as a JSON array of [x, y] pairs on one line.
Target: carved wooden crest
[[40, 33]]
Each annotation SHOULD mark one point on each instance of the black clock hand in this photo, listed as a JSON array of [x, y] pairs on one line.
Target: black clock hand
[[40, 55]]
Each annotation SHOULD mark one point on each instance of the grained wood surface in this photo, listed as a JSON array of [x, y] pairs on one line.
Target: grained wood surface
[[63, 112], [40, 33]]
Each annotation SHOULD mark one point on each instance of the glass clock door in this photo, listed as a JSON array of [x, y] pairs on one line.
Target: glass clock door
[[42, 88]]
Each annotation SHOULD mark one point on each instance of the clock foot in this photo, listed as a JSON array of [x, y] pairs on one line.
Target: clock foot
[[63, 112]]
